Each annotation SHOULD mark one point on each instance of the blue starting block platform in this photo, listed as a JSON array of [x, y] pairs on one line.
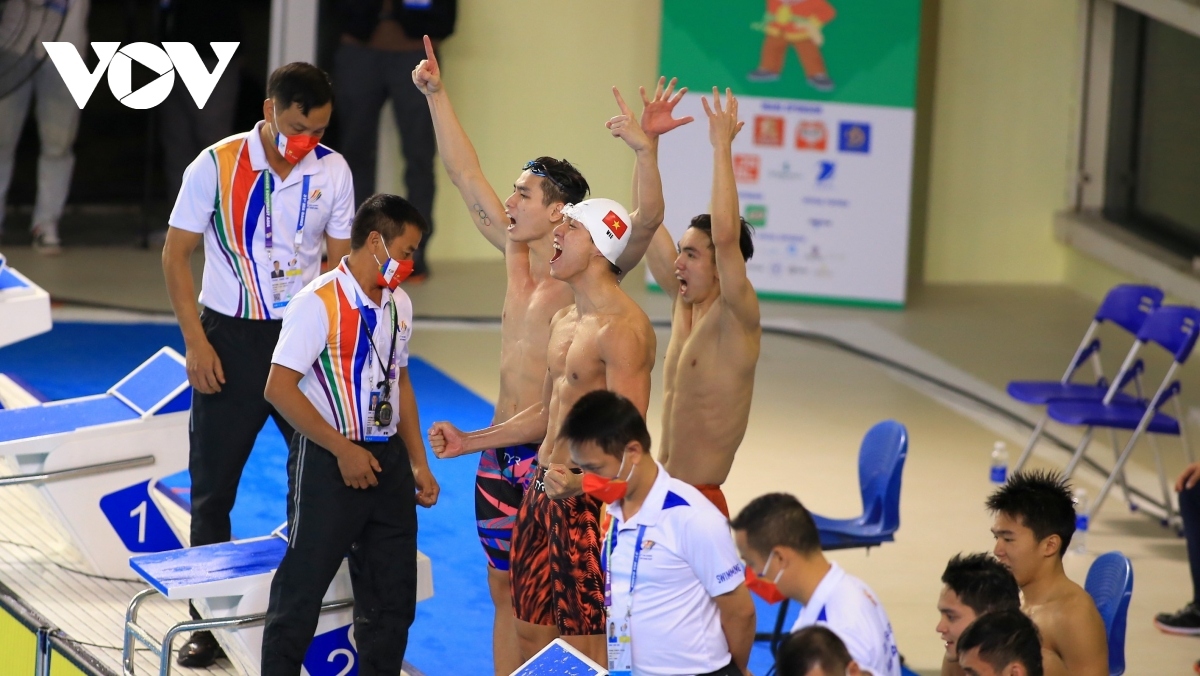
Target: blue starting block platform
[[95, 460], [230, 584], [24, 306], [560, 659]]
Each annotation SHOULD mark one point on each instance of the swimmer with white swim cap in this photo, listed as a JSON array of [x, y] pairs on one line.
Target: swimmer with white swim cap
[[603, 341], [521, 227]]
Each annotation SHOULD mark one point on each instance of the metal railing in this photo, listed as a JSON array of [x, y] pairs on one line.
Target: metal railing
[[73, 472], [135, 634]]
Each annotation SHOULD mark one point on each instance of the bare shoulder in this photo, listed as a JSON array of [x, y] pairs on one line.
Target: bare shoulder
[[1070, 611], [1078, 610], [627, 331], [1072, 629], [742, 316]]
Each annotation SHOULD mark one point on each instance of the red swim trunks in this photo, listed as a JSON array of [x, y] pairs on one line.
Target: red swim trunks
[[715, 496], [556, 577]]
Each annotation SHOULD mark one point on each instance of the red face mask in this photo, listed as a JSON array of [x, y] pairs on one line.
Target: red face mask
[[295, 147], [767, 591], [393, 271], [604, 489]]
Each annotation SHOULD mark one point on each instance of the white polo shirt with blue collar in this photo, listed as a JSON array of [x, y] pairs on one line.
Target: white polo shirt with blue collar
[[848, 607], [687, 558]]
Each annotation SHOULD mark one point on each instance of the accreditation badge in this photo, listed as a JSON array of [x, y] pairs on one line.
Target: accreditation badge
[[620, 648], [286, 283]]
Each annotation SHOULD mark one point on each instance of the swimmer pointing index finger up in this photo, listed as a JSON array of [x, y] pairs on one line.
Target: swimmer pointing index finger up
[[521, 227], [715, 324]]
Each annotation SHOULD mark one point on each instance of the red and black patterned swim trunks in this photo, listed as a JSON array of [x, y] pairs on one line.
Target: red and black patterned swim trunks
[[556, 577]]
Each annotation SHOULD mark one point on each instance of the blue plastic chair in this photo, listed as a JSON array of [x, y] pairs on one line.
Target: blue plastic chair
[[1127, 306], [1110, 582], [1175, 328], [880, 466]]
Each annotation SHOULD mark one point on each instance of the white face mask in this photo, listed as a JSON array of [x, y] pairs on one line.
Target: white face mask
[[767, 565]]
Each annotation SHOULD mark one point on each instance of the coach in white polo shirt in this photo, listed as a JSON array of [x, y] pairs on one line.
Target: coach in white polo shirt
[[356, 466], [262, 202], [674, 586], [779, 541]]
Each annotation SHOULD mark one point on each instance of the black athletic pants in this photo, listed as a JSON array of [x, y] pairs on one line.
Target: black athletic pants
[[363, 80], [1189, 509], [224, 425], [376, 527], [727, 670]]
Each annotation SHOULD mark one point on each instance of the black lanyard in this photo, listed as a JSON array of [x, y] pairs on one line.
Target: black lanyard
[[390, 373]]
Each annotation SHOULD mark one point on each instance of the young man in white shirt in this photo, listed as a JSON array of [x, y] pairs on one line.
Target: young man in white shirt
[[340, 376], [1003, 643], [674, 586], [269, 194], [974, 585], [779, 542]]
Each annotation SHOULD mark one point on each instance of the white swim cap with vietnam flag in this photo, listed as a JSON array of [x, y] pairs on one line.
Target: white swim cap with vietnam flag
[[607, 221]]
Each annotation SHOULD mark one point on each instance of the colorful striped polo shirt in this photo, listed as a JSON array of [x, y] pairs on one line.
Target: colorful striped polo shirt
[[224, 197], [325, 337]]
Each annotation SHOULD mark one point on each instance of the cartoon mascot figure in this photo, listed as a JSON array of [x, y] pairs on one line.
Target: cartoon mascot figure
[[798, 23]]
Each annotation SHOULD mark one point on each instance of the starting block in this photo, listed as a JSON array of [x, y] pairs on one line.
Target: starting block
[[560, 659], [230, 584], [95, 460], [24, 307]]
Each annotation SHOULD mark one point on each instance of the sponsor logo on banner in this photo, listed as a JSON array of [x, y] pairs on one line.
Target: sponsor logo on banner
[[746, 168], [785, 172], [165, 61], [854, 137], [768, 131], [826, 173], [756, 215], [834, 202], [615, 225], [811, 135]]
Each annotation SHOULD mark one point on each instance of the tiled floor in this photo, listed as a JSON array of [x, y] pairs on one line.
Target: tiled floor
[[812, 405]]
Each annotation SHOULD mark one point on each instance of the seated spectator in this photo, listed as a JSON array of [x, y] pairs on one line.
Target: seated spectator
[[779, 542], [814, 651], [974, 584], [1003, 643], [691, 612], [1034, 519]]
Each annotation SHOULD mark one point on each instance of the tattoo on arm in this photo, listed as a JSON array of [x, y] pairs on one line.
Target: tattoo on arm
[[483, 217]]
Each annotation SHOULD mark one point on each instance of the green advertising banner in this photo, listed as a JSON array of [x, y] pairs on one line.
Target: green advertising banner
[[868, 46], [824, 165]]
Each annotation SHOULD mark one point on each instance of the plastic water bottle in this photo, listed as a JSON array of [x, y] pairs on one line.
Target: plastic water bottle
[[1079, 539], [999, 473]]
